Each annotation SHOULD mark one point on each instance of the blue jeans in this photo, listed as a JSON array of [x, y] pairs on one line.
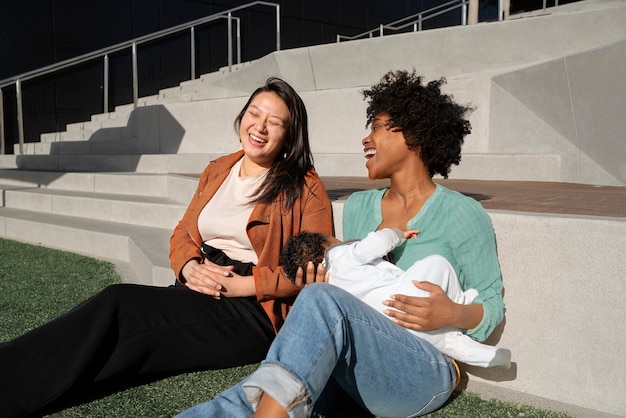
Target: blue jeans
[[329, 332]]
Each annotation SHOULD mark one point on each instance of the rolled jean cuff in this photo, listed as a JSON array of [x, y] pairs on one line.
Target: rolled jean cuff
[[281, 385]]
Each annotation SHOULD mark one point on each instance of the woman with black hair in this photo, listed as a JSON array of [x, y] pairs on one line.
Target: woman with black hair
[[330, 336], [231, 296]]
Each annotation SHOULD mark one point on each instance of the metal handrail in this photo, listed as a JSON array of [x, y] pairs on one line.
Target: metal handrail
[[415, 20], [132, 44]]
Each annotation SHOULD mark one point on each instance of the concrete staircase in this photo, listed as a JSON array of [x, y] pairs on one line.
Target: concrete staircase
[[125, 218], [549, 101], [534, 81]]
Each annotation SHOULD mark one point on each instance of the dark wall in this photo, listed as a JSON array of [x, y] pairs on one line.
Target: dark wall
[[36, 33]]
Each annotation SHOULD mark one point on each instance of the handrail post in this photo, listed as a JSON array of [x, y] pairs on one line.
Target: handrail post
[[472, 12], [381, 30], [238, 41], [135, 77], [464, 14], [1, 123], [230, 42], [420, 19], [278, 27], [105, 86], [20, 116], [192, 34]]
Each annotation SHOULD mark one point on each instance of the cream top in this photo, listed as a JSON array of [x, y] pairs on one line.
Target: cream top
[[222, 222]]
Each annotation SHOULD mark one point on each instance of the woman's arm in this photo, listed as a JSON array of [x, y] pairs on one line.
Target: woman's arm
[[186, 241], [434, 312]]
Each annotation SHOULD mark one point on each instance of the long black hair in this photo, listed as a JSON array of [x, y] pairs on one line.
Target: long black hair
[[286, 177], [430, 121]]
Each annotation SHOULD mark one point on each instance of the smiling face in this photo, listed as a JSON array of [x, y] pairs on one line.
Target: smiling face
[[263, 129], [385, 149]]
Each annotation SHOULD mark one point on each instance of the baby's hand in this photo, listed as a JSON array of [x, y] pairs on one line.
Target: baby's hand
[[411, 233]]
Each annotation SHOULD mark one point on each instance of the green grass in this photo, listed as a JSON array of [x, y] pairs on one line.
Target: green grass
[[37, 284]]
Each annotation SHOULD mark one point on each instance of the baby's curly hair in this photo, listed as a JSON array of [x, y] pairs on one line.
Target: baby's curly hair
[[300, 249], [429, 120]]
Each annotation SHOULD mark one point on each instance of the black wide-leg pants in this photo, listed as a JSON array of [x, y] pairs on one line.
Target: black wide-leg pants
[[129, 332]]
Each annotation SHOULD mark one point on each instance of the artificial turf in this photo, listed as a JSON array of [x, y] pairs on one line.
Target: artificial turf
[[38, 284]]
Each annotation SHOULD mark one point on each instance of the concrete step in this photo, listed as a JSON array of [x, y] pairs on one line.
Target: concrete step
[[533, 167], [87, 163], [146, 163], [146, 249], [476, 166], [73, 133], [104, 142], [8, 161], [136, 184], [150, 211], [171, 93], [85, 130], [148, 100]]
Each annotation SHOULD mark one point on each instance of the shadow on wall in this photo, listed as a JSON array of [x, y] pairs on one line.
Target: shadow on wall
[[150, 130]]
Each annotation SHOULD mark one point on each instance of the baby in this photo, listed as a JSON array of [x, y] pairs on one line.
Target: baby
[[359, 267]]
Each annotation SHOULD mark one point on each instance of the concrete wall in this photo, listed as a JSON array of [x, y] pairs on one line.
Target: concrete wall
[[565, 320]]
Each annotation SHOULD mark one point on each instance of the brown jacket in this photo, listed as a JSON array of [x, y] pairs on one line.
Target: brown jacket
[[268, 224]]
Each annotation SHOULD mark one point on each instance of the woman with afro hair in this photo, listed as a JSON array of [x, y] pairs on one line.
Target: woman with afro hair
[[333, 340]]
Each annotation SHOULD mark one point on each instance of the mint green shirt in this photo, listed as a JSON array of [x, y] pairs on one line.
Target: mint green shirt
[[451, 225]]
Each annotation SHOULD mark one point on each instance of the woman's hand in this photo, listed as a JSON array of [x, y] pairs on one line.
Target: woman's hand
[[433, 312], [311, 276], [206, 277], [217, 281]]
